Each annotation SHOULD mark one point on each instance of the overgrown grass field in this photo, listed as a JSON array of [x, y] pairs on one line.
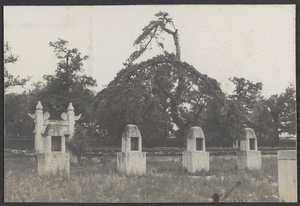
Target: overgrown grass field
[[97, 181]]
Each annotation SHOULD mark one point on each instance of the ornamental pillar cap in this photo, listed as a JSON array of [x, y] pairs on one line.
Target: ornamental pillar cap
[[70, 107], [195, 132], [39, 106]]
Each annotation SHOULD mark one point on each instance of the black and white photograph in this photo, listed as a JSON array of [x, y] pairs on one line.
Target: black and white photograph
[[150, 103]]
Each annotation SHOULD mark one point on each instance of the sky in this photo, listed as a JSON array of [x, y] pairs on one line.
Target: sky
[[256, 42]]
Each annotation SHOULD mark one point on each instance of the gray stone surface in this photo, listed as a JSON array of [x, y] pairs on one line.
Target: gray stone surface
[[45, 128], [245, 140], [131, 159], [52, 156], [53, 163], [195, 160], [194, 133], [129, 132], [249, 160], [287, 175], [131, 162]]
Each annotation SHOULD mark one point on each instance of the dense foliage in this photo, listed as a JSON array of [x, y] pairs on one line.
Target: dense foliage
[[283, 111], [268, 117], [150, 95], [78, 144], [163, 96], [9, 79], [16, 120]]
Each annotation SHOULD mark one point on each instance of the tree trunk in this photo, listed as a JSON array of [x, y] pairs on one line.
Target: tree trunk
[[276, 132], [177, 119], [79, 159], [176, 42]]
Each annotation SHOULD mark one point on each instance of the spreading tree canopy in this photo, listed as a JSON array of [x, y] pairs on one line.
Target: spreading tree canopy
[[150, 92], [282, 109], [162, 95]]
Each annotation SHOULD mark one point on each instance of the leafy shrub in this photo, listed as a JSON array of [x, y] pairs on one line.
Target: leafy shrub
[[78, 144]]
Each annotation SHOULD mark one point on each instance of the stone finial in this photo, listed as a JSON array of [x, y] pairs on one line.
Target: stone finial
[[70, 107], [46, 116], [195, 132], [33, 116], [77, 117], [195, 158], [131, 131], [39, 106], [248, 133], [64, 116], [131, 159], [195, 140]]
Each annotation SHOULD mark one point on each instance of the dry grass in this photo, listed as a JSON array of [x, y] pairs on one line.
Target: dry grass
[[99, 181]]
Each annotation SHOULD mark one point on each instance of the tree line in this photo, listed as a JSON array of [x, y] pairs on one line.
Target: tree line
[[163, 96]]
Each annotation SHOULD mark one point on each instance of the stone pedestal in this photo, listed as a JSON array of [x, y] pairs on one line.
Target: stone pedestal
[[53, 163], [131, 159], [249, 160], [195, 161], [287, 176], [50, 140], [195, 158], [131, 162], [248, 157]]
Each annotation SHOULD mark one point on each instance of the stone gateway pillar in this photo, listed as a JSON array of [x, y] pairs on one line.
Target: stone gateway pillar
[[287, 175], [248, 156], [50, 140], [38, 117], [195, 158], [131, 159]]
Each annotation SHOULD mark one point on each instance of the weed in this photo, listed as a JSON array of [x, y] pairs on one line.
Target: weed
[[99, 182]]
